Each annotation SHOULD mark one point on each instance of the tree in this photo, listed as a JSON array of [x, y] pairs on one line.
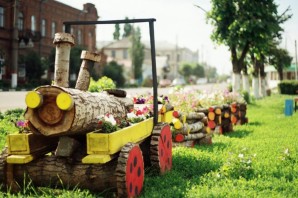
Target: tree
[[115, 72], [280, 59], [241, 24], [199, 71], [128, 28], [116, 33], [137, 53], [186, 70], [34, 69]]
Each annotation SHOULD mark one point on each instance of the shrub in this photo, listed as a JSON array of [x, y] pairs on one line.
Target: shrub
[[288, 87], [246, 96], [101, 84]]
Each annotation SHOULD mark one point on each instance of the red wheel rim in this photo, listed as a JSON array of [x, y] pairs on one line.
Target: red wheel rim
[[165, 149], [134, 172]]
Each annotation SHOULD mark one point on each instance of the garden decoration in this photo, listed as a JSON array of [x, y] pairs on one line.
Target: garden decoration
[[88, 140], [190, 129], [238, 113]]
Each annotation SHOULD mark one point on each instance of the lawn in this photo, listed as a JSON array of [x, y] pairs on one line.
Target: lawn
[[259, 159]]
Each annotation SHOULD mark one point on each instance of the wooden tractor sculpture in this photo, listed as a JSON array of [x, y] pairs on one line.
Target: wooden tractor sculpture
[[63, 148]]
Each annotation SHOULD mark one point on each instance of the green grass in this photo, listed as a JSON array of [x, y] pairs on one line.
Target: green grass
[[259, 159]]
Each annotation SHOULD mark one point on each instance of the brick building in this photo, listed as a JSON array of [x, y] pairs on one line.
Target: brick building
[[37, 22]]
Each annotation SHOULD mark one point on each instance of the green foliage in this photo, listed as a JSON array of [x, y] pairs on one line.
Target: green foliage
[[242, 24], [116, 34], [128, 28], [137, 53], [8, 121], [115, 72], [33, 65], [280, 59], [101, 84], [288, 87], [246, 96], [75, 59]]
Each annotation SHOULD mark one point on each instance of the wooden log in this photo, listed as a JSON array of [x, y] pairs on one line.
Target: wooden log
[[87, 64], [52, 171], [189, 143], [63, 42], [202, 110], [190, 115], [194, 136], [166, 107], [189, 128], [207, 140], [51, 120]]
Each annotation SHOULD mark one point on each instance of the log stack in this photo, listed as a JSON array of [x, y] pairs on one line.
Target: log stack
[[226, 123], [238, 113], [190, 129]]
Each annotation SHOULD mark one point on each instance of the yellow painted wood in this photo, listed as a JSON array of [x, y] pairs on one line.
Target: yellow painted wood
[[167, 117], [19, 159], [110, 143], [33, 99], [18, 143], [29, 143], [64, 101], [177, 123], [96, 159]]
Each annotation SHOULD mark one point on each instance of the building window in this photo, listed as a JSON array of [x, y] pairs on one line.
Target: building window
[[53, 30], [43, 27], [33, 23], [1, 17], [21, 21], [71, 30], [79, 37], [125, 54], [113, 53]]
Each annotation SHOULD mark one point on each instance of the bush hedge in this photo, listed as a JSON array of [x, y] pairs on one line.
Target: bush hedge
[[288, 87]]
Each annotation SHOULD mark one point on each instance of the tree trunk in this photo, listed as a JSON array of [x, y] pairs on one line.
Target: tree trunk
[[256, 87], [236, 83], [263, 87], [52, 171], [50, 120], [280, 74], [246, 86]]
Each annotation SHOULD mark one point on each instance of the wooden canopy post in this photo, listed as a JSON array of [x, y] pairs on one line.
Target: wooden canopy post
[[63, 42], [89, 59]]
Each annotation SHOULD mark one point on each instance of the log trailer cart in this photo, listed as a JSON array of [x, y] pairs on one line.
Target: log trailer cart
[[63, 149]]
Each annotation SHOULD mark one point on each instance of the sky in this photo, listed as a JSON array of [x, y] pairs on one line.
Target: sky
[[181, 22]]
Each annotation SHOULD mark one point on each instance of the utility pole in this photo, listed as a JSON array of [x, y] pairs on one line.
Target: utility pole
[[15, 38]]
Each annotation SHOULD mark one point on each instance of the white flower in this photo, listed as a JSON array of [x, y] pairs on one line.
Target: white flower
[[111, 119], [131, 115], [240, 155]]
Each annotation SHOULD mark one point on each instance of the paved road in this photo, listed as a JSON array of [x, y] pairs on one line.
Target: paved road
[[12, 100]]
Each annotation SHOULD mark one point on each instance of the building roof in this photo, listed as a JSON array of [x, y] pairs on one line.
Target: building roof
[[292, 68]]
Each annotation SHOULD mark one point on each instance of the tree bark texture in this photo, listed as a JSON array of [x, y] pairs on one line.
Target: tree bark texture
[[49, 120], [63, 42], [52, 171]]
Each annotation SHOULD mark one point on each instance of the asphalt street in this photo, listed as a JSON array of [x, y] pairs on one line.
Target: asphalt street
[[16, 99]]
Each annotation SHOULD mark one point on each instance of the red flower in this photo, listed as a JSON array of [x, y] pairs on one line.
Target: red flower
[[139, 112]]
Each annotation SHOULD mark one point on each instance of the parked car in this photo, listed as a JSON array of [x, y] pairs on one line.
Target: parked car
[[178, 81], [164, 83]]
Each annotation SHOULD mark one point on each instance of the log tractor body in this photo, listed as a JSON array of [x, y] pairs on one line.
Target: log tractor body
[[63, 147]]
